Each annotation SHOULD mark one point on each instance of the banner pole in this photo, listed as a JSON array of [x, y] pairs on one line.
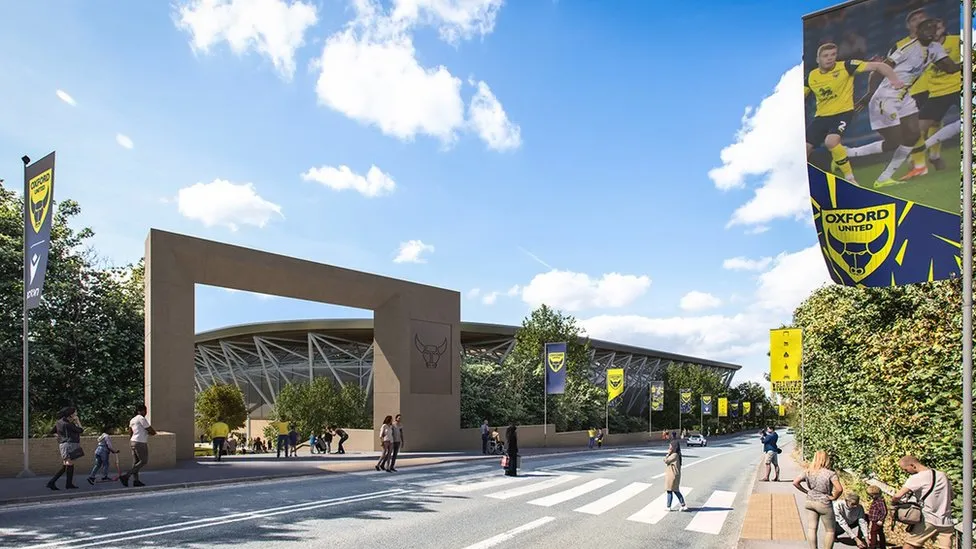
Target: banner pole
[[650, 413], [967, 275], [25, 382], [545, 399]]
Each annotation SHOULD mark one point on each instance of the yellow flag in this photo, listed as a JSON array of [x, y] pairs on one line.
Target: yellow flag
[[782, 410], [785, 358], [723, 407], [746, 407], [615, 383]]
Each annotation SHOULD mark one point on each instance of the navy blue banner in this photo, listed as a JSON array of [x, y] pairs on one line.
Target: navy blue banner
[[874, 239], [38, 211], [734, 408], [556, 368], [706, 405]]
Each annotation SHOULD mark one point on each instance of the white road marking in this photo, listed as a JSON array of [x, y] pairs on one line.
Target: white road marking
[[711, 521], [535, 487], [703, 460], [164, 529], [505, 536], [574, 492], [606, 503], [656, 510], [475, 486]]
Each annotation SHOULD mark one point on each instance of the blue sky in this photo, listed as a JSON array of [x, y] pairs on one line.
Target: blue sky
[[600, 159]]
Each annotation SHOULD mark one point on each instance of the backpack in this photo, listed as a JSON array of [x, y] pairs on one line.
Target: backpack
[[910, 512]]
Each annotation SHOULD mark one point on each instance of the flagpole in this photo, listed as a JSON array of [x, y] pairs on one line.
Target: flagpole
[[25, 382], [650, 413], [967, 275], [545, 399]]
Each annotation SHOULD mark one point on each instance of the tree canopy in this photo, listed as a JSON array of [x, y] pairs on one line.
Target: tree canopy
[[86, 337], [220, 402], [312, 407]]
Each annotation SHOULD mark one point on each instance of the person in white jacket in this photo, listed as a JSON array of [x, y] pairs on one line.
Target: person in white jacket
[[850, 519]]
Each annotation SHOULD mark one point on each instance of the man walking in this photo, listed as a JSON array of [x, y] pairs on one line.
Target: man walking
[[397, 442], [219, 431], [139, 442], [771, 451], [934, 491]]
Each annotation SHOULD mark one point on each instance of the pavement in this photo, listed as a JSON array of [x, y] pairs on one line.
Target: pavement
[[610, 495]]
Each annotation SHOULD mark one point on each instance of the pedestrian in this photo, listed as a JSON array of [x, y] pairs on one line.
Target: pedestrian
[[823, 488], [511, 441], [343, 437], [877, 513], [312, 443], [934, 492], [68, 428], [771, 453], [293, 440], [102, 453], [599, 438], [282, 443], [484, 437], [591, 435], [397, 442], [850, 520], [386, 438], [327, 441], [219, 431], [672, 475], [139, 442]]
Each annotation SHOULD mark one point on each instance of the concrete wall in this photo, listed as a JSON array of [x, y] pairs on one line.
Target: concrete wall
[[45, 459]]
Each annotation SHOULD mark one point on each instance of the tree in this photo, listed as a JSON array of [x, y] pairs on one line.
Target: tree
[[700, 380], [312, 407], [220, 402], [86, 337]]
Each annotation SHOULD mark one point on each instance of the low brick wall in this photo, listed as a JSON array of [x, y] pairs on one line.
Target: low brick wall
[[532, 436], [45, 459]]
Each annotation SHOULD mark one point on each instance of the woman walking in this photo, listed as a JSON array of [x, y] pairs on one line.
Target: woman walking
[[672, 476], [386, 437], [511, 442], [823, 488], [68, 428]]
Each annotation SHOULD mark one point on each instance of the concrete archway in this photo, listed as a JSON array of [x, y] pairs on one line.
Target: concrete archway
[[416, 364]]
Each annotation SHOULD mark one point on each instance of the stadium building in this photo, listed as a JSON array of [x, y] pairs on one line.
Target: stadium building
[[262, 358]]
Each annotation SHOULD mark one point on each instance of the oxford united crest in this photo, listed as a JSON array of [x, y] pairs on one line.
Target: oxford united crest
[[556, 361], [859, 240]]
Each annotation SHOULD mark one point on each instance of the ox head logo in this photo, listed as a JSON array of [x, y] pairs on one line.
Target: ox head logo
[[431, 353]]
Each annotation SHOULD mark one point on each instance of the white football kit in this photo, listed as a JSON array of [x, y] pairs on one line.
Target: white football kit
[[888, 105]]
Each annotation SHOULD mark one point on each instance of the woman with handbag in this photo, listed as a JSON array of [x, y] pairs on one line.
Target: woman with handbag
[[511, 441], [823, 488], [68, 428]]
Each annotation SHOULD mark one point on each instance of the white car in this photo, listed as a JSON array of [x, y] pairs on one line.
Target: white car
[[696, 439]]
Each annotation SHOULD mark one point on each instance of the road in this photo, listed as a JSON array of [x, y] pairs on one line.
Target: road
[[604, 496]]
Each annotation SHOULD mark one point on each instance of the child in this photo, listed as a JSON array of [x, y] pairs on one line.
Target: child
[[102, 452], [876, 517]]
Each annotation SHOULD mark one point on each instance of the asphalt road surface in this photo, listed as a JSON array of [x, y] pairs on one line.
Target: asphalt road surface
[[609, 497]]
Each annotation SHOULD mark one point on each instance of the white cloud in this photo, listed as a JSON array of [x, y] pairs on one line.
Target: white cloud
[[491, 122], [490, 298], [473, 293], [745, 264], [699, 301], [369, 72], [124, 141], [769, 146], [778, 291], [63, 96], [412, 251], [758, 229], [374, 183], [577, 291], [514, 291], [226, 204], [273, 28]]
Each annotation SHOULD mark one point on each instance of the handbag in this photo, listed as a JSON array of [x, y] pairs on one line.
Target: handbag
[[504, 462], [76, 453], [910, 512]]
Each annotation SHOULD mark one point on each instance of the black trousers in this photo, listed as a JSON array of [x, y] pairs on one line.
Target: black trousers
[[484, 444], [340, 449]]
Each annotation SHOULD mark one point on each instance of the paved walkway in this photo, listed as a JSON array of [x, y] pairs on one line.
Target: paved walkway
[[231, 469], [773, 518]]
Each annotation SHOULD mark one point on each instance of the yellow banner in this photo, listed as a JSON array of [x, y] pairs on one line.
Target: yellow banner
[[615, 383], [782, 410], [746, 408], [723, 407], [785, 358]]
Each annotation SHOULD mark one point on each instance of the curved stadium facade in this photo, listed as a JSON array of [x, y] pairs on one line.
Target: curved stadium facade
[[262, 358]]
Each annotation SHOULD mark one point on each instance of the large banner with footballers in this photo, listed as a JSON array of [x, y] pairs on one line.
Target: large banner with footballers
[[882, 83]]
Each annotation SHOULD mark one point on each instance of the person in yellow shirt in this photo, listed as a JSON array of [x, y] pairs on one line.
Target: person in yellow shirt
[[592, 434], [218, 432], [283, 438]]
